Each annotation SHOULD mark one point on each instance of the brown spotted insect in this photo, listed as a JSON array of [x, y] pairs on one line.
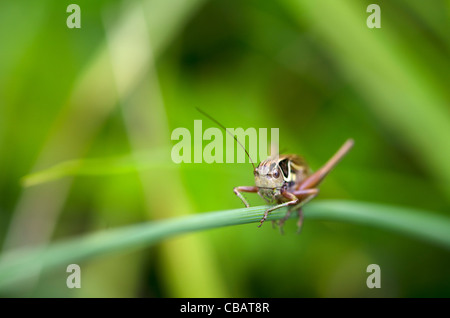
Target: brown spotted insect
[[286, 180]]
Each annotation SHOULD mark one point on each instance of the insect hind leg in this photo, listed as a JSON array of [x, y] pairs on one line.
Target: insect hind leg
[[300, 221]]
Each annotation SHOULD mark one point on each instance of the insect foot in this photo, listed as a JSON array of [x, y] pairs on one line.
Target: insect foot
[[263, 218], [300, 221], [281, 227]]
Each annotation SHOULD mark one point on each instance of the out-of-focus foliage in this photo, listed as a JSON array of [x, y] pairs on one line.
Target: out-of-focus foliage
[[86, 117]]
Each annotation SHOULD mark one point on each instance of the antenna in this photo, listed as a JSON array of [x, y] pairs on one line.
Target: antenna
[[222, 126]]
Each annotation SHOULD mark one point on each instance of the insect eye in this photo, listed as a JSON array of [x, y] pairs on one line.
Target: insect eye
[[255, 172], [276, 174], [284, 165]]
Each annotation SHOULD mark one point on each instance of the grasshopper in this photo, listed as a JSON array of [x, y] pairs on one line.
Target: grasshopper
[[286, 180]]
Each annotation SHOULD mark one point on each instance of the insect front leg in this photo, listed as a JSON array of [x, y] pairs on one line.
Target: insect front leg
[[306, 195], [274, 224], [293, 201], [237, 191]]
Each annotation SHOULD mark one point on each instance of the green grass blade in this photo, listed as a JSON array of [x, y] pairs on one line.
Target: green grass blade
[[20, 264], [420, 224], [100, 166]]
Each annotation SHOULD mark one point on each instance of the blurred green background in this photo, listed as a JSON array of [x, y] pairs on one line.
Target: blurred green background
[[90, 111]]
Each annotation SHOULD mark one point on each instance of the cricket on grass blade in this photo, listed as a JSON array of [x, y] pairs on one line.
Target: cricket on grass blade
[[286, 180]]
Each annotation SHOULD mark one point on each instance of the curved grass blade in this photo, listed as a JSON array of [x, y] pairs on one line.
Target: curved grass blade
[[99, 166], [21, 264]]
